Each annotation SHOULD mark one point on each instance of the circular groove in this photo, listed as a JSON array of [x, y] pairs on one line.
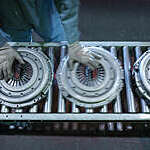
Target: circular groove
[[141, 75]]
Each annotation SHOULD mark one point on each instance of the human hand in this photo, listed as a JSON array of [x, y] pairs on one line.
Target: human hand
[[83, 55], [7, 57]]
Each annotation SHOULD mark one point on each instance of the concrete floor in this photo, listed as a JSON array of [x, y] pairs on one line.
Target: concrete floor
[[72, 143]]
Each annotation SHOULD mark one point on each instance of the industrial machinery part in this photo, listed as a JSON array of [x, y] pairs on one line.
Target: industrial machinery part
[[30, 81], [141, 74], [88, 88]]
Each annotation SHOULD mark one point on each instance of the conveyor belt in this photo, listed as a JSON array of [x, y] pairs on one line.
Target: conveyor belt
[[126, 108]]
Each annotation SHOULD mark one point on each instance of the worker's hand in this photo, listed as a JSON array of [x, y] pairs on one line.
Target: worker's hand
[[7, 57], [82, 55]]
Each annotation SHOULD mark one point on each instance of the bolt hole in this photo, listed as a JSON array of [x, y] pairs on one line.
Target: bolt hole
[[83, 93], [96, 94], [21, 94], [69, 96], [42, 94]]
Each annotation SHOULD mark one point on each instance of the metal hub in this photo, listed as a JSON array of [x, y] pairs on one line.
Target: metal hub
[[141, 74], [88, 77], [21, 74], [30, 81], [89, 88]]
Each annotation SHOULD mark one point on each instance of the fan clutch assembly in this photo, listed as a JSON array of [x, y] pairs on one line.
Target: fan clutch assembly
[[30, 81], [88, 88]]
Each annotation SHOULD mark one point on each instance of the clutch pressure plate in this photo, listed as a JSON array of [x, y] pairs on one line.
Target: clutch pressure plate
[[141, 75], [30, 81], [88, 88]]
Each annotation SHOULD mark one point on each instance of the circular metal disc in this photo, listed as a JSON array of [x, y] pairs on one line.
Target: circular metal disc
[[30, 81], [89, 88], [141, 74]]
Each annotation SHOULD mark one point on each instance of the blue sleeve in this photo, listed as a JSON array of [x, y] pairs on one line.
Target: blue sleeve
[[69, 12], [4, 37]]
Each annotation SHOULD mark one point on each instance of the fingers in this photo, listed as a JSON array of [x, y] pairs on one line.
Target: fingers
[[20, 60], [3, 48], [6, 60], [71, 64], [9, 70], [96, 55], [1, 72], [75, 45], [94, 59], [2, 59], [5, 72], [92, 64], [84, 56]]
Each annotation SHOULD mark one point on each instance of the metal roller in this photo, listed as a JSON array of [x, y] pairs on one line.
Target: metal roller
[[89, 88], [30, 81]]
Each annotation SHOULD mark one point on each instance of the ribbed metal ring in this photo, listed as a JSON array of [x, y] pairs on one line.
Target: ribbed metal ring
[[88, 88]]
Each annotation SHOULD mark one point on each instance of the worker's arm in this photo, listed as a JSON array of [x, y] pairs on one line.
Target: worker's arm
[[7, 57], [4, 38]]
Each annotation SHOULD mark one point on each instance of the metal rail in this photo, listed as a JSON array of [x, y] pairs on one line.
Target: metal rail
[[82, 117], [117, 106], [91, 43]]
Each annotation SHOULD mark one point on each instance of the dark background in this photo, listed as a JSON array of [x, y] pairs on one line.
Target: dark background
[[110, 20], [115, 20]]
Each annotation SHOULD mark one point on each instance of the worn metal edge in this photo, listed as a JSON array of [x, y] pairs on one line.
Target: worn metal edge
[[82, 117]]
